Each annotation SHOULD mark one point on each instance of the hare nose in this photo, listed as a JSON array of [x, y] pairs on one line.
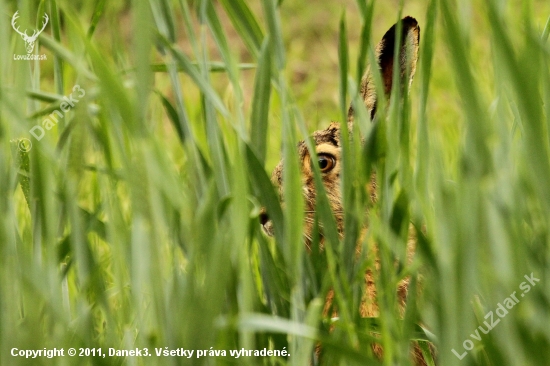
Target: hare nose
[[264, 218]]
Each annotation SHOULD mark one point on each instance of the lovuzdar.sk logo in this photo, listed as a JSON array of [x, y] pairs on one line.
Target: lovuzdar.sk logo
[[29, 40]]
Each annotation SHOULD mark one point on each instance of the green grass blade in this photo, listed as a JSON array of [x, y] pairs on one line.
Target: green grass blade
[[96, 17], [546, 31], [58, 63], [274, 27], [192, 71], [260, 103], [245, 23]]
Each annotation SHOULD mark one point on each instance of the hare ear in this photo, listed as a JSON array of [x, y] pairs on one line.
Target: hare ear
[[385, 51]]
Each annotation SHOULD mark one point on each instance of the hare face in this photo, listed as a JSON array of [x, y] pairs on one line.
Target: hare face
[[327, 141], [327, 145]]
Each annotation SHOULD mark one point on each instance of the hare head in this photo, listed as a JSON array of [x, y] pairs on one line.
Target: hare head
[[327, 141]]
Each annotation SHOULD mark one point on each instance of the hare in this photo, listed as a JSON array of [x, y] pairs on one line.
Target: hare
[[328, 147]]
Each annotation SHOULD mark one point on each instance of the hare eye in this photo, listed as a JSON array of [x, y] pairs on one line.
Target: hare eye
[[326, 162]]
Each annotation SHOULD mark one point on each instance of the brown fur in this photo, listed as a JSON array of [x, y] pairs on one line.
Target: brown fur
[[327, 143]]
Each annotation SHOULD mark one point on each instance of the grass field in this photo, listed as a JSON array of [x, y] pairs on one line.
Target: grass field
[[129, 220]]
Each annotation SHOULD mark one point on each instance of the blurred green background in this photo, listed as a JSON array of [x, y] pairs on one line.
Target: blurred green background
[[133, 222]]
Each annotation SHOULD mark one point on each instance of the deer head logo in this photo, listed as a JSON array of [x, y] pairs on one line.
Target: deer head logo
[[29, 40]]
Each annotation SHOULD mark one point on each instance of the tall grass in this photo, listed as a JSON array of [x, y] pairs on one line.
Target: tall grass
[[133, 222]]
